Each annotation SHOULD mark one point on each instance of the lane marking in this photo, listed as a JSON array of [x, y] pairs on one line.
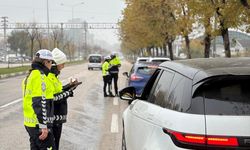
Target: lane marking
[[114, 124], [115, 101], [11, 103]]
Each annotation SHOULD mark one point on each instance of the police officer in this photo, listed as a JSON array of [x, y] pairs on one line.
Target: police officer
[[38, 102], [114, 70], [61, 94], [106, 76]]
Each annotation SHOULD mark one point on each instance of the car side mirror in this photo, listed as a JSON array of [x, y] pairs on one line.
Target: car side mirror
[[128, 93], [125, 74]]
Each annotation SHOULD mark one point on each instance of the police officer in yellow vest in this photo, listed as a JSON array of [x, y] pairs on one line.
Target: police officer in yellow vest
[[38, 94], [61, 94], [106, 77], [114, 70]]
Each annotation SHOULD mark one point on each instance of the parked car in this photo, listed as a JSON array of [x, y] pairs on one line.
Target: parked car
[[95, 61], [139, 75], [190, 104]]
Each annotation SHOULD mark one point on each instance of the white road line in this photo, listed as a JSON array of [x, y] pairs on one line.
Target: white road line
[[114, 124], [115, 101], [11, 103]]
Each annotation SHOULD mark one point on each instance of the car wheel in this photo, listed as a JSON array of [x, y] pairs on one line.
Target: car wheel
[[123, 141]]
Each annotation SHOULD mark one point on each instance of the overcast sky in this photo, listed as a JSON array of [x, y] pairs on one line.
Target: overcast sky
[[92, 10]]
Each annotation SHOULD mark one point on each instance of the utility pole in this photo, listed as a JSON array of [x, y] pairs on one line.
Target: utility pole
[[4, 36], [85, 35]]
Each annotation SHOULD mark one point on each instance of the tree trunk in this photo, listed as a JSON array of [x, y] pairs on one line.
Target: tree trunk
[[164, 50], [161, 50], [149, 51], [40, 44], [188, 46], [157, 51], [207, 41], [225, 36], [170, 49]]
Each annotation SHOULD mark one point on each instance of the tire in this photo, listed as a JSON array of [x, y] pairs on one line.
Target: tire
[[123, 141]]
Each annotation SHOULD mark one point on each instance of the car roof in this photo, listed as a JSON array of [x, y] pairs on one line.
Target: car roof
[[142, 58], [146, 64], [201, 68], [159, 58]]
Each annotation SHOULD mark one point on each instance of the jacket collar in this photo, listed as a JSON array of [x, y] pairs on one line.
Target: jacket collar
[[40, 67], [54, 70]]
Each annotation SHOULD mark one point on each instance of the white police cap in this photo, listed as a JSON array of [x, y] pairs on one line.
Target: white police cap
[[44, 54]]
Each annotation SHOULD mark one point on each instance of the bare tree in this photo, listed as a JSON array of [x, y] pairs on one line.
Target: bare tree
[[32, 35], [39, 38], [56, 37]]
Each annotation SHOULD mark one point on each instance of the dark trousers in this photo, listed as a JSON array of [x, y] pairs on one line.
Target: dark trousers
[[114, 77], [36, 143], [107, 82], [57, 130]]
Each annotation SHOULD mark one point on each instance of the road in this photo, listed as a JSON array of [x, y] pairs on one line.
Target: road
[[94, 122]]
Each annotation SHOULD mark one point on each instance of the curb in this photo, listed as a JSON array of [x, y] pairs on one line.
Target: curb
[[12, 74]]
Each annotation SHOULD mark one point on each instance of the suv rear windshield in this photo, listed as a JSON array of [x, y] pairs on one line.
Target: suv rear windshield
[[227, 97], [158, 60], [95, 59], [146, 70]]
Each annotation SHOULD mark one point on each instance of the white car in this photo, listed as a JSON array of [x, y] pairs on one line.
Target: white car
[[95, 61], [191, 104]]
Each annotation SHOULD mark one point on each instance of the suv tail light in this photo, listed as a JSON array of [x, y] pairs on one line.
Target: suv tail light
[[135, 77], [186, 140]]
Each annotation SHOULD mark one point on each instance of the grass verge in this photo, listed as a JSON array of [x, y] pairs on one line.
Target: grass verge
[[26, 68]]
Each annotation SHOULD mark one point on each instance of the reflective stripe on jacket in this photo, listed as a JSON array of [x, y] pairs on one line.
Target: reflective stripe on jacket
[[38, 100]]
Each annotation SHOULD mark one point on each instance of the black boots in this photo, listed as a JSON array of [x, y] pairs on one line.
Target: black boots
[[111, 94], [108, 95]]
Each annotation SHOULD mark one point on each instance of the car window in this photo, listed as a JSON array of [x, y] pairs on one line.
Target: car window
[[159, 61], [145, 70], [162, 88], [180, 94], [95, 59], [227, 97], [149, 85], [142, 60]]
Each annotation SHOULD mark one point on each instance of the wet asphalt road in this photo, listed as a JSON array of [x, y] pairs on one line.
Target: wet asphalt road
[[94, 122]]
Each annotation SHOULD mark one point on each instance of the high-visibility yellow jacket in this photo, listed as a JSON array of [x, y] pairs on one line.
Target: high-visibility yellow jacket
[[105, 68], [60, 99], [38, 94], [115, 64]]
